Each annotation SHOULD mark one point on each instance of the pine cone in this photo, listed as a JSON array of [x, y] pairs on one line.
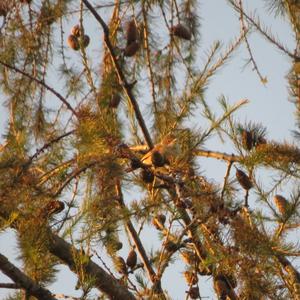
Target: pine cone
[[131, 32], [53, 207], [189, 258], [247, 139], [194, 292], [86, 41], [221, 287], [171, 246], [243, 179], [73, 42], [159, 221], [131, 259], [4, 9], [281, 203], [77, 31], [190, 277], [157, 159], [132, 49], [147, 176], [181, 31], [114, 101]]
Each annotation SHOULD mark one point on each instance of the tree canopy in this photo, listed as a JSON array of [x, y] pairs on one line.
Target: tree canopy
[[100, 155]]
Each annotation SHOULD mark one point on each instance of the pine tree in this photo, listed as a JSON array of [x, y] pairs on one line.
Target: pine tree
[[84, 171]]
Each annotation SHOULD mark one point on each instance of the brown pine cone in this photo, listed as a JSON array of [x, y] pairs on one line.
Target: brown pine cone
[[247, 139], [131, 32], [159, 221], [181, 31], [131, 259], [281, 203], [73, 42], [243, 179], [53, 207], [194, 292], [132, 49]]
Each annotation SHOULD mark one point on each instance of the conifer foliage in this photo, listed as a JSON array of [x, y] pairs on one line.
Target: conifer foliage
[[99, 159]]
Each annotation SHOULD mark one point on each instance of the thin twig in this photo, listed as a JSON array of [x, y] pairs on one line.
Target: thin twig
[[122, 79], [58, 95], [226, 178], [139, 245]]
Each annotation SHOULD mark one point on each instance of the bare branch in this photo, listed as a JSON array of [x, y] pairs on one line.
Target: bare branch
[[58, 95], [23, 280]]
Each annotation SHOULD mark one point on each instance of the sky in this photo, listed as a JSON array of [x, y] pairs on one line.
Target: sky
[[268, 104]]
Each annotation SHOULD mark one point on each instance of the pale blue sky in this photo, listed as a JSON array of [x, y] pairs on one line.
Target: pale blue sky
[[268, 104]]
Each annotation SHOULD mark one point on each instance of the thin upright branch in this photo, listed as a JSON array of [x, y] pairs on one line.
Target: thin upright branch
[[53, 91], [270, 38], [140, 248], [127, 87]]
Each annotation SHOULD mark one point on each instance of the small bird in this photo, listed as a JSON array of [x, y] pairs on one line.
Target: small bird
[[165, 148], [281, 203]]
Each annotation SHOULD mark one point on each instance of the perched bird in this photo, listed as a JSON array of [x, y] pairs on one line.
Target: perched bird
[[281, 203], [165, 148], [243, 179]]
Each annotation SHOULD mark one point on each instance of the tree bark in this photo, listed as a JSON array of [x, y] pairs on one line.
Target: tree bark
[[23, 280]]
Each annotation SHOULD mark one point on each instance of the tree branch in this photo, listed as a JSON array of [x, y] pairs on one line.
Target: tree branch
[[58, 95], [140, 247], [23, 280], [218, 155], [102, 280]]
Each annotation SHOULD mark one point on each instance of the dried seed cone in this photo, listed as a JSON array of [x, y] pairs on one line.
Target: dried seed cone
[[147, 176], [181, 31], [86, 41], [190, 277], [131, 259], [131, 32], [73, 42], [120, 265], [159, 221], [194, 292], [189, 258], [114, 101], [157, 159], [221, 287], [247, 140], [243, 179], [132, 49], [171, 246], [4, 9], [53, 207], [281, 204], [77, 30]]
